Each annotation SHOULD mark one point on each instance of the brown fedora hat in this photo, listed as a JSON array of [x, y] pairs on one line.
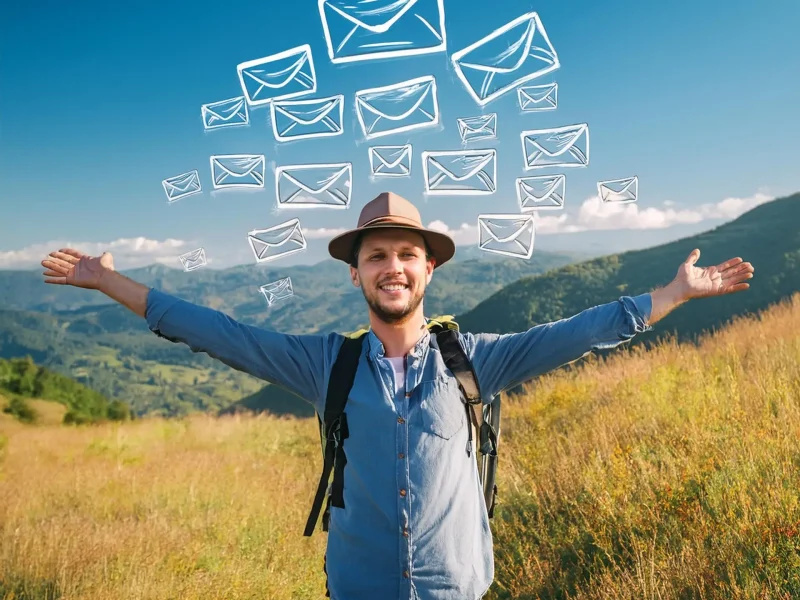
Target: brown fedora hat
[[389, 210]]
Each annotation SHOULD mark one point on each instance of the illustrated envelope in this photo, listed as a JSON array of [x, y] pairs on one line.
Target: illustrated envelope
[[315, 185], [399, 107], [536, 98], [182, 186], [506, 234], [543, 192], [390, 161], [619, 191], [462, 172], [277, 290], [287, 74], [278, 241], [373, 29], [517, 52], [301, 119], [557, 147], [483, 127], [193, 260], [225, 113], [238, 171]]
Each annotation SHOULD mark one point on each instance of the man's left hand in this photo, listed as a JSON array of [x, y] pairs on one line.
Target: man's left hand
[[702, 282]]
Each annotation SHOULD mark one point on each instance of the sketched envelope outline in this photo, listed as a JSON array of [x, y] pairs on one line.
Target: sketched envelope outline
[[265, 79], [507, 234], [537, 98], [277, 290], [181, 186], [279, 241], [225, 113], [326, 113], [391, 161], [509, 56], [237, 171], [408, 101], [327, 185], [194, 259], [477, 176], [556, 147], [619, 191], [357, 30], [542, 192], [473, 129]]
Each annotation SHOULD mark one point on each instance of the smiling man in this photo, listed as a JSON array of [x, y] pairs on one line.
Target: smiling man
[[414, 522]]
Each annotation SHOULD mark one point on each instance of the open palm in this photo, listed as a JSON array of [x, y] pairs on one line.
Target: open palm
[[724, 278], [71, 267]]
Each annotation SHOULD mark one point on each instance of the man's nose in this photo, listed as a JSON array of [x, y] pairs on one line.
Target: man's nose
[[394, 264]]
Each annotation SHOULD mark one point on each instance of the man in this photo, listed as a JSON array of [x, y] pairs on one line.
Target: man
[[415, 523]]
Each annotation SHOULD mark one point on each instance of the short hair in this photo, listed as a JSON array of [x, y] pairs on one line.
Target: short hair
[[360, 238]]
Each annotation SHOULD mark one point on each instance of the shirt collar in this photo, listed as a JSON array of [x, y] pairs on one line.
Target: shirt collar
[[376, 349]]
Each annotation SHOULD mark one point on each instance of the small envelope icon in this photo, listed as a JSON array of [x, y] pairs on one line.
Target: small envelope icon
[[557, 147], [182, 186], [461, 172], [303, 119], [543, 192], [193, 260], [287, 74], [277, 290], [506, 234], [278, 241], [517, 52], [238, 171], [619, 191], [535, 98], [473, 129], [390, 161], [398, 107], [316, 185], [225, 113]]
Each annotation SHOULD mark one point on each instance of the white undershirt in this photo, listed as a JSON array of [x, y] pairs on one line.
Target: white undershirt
[[399, 375]]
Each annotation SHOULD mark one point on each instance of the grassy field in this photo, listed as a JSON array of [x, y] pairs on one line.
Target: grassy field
[[672, 473]]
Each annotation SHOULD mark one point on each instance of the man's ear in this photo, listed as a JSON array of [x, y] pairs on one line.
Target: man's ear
[[430, 265], [354, 277]]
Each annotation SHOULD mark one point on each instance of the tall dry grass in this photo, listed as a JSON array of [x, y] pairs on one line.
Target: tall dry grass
[[671, 473]]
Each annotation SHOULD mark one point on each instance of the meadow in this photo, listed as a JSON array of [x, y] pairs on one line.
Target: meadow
[[664, 473]]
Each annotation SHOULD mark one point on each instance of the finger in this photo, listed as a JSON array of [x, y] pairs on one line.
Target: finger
[[66, 256], [731, 262], [57, 264], [51, 273], [738, 270], [737, 288], [72, 252], [56, 280], [693, 256]]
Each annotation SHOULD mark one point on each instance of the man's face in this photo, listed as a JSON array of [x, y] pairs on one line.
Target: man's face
[[393, 272]]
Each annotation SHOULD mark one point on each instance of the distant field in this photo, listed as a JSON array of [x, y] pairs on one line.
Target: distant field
[[672, 473]]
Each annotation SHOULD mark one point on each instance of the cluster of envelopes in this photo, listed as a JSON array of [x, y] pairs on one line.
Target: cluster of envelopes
[[361, 30]]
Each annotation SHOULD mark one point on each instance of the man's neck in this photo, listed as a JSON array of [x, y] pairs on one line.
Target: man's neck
[[399, 338]]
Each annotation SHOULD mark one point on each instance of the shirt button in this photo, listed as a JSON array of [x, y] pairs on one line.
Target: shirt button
[[405, 574], [401, 455], [405, 532], [401, 420], [403, 493]]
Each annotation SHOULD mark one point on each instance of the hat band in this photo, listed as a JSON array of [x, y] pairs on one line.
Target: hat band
[[392, 219]]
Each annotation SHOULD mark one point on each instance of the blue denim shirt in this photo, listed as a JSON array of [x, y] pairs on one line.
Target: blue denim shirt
[[415, 524]]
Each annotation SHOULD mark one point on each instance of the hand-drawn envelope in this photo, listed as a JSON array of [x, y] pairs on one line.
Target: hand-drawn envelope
[[483, 127], [373, 29], [281, 240], [238, 171], [513, 54], [536, 98], [303, 119], [314, 185], [390, 161], [287, 74], [225, 113], [506, 234], [462, 172], [557, 147], [182, 185], [542, 192], [398, 107], [277, 290], [193, 259], [619, 191]]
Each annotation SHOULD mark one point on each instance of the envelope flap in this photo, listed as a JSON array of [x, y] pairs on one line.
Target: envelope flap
[[238, 166], [305, 112], [396, 103], [505, 229], [477, 123], [226, 109], [277, 287], [277, 72], [275, 236], [554, 142], [460, 166], [376, 16], [315, 180], [537, 93], [505, 50], [193, 255], [619, 186], [390, 156], [540, 187], [182, 182]]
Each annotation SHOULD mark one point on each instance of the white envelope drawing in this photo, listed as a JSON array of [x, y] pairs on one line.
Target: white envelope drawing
[[536, 98], [181, 186], [287, 74], [278, 241], [506, 234], [373, 29], [483, 127], [225, 113], [277, 290], [399, 107], [542, 192], [390, 161], [193, 260], [303, 119], [238, 171], [517, 52], [461, 172], [557, 147], [619, 191], [315, 185]]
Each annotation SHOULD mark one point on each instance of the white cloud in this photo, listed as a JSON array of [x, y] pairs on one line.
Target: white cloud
[[322, 233]]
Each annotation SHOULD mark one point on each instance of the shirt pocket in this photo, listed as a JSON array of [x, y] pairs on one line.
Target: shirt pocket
[[443, 412]]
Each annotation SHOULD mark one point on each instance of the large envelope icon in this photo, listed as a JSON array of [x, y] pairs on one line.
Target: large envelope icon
[[278, 241], [517, 52], [238, 171], [399, 107], [483, 127], [193, 260], [303, 119], [390, 161], [182, 185], [287, 74], [557, 147], [619, 191], [277, 290], [536, 98], [506, 234], [225, 113], [315, 185], [543, 192], [463, 173]]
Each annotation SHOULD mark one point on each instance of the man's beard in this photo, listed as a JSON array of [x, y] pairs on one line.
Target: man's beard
[[394, 316]]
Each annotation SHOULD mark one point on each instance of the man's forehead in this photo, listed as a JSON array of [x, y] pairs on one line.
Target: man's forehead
[[376, 239]]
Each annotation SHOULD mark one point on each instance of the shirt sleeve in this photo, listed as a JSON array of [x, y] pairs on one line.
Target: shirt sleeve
[[503, 361], [298, 363]]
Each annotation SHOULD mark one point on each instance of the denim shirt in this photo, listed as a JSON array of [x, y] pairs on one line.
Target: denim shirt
[[415, 524]]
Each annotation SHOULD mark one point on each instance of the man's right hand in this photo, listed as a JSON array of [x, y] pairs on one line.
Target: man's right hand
[[71, 267]]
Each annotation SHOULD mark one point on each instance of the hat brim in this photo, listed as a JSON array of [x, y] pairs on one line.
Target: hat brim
[[441, 245]]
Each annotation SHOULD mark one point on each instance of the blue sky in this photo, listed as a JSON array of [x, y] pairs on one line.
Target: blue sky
[[99, 103]]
